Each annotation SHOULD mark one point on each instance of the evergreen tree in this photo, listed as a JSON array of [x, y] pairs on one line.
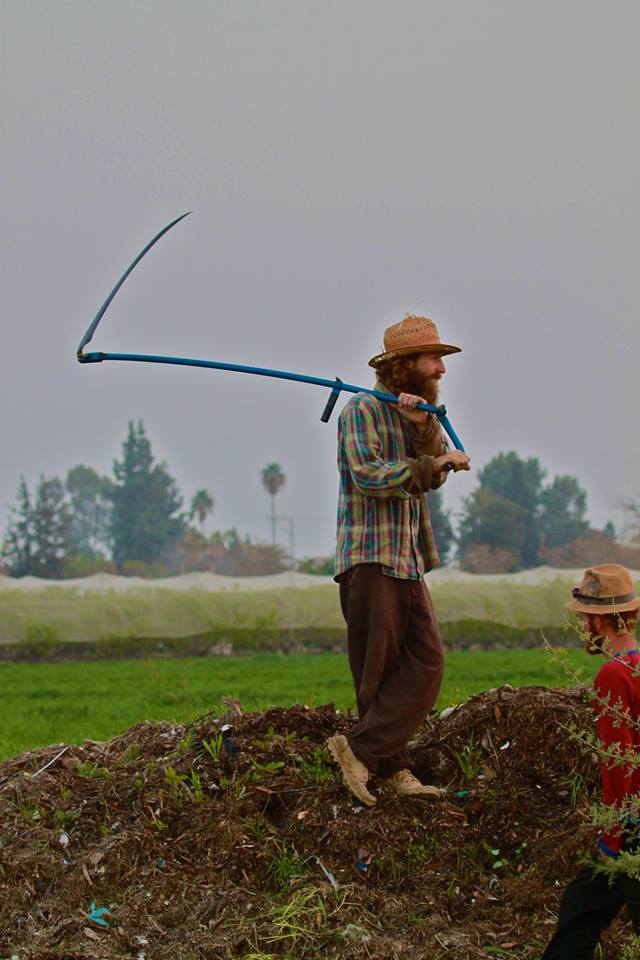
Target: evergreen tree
[[563, 515], [515, 479], [51, 528], [145, 522], [18, 547], [512, 510], [492, 520], [520, 482], [91, 505]]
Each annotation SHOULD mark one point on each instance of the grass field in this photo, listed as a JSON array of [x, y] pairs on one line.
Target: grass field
[[45, 703], [59, 614]]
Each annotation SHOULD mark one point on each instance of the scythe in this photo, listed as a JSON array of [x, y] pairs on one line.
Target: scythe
[[337, 386]]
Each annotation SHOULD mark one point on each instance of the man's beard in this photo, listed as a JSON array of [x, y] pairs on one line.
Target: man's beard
[[422, 386]]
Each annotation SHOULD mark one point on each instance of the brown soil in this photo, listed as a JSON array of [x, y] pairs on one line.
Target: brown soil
[[259, 852]]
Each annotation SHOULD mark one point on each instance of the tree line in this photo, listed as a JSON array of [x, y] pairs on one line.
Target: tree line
[[133, 523], [515, 519]]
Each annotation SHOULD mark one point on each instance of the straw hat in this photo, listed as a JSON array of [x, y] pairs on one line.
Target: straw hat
[[412, 335], [607, 588]]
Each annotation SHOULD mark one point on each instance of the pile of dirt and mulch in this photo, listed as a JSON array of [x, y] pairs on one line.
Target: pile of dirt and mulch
[[234, 838]]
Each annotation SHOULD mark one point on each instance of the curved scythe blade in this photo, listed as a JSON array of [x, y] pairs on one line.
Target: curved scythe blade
[[103, 309]]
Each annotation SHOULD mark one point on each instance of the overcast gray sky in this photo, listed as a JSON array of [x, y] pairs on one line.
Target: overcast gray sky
[[347, 162]]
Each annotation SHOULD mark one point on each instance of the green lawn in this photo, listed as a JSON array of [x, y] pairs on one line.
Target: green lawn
[[44, 703]]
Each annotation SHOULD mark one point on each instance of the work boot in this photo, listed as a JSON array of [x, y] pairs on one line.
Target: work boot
[[404, 783], [354, 772]]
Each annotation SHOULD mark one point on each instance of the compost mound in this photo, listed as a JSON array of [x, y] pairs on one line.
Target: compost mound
[[234, 837]]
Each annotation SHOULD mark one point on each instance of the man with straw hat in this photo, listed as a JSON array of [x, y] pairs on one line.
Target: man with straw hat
[[608, 607], [389, 456]]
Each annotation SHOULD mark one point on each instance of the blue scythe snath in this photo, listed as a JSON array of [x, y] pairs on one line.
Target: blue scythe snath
[[336, 386]]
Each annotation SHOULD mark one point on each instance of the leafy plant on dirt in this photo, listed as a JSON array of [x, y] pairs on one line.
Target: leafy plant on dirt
[[92, 772], [27, 809], [66, 818], [186, 744], [470, 758], [575, 784], [260, 769], [257, 827], [195, 785], [285, 865], [419, 853], [214, 747], [316, 767], [494, 856], [174, 781]]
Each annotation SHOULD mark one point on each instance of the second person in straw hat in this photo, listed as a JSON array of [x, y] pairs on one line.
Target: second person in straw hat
[[389, 457], [607, 604]]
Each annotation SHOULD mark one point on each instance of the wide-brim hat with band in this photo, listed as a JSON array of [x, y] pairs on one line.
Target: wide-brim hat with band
[[412, 335], [607, 588]]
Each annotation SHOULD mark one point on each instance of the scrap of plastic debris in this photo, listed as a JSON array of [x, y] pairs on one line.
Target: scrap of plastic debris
[[161, 862], [330, 877], [462, 793], [64, 839], [506, 745], [97, 913], [228, 745], [225, 727], [363, 861]]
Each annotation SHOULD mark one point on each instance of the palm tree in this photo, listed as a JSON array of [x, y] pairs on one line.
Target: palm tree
[[272, 479], [202, 505]]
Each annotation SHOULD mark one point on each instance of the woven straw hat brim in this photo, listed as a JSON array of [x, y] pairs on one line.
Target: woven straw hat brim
[[444, 349], [598, 608]]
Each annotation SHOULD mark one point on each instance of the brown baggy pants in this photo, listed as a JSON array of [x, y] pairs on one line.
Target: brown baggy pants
[[396, 660]]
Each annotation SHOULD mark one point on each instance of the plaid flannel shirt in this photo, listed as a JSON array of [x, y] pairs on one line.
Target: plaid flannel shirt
[[380, 519]]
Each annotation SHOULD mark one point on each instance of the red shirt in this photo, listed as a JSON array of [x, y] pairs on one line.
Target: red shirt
[[615, 681]]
